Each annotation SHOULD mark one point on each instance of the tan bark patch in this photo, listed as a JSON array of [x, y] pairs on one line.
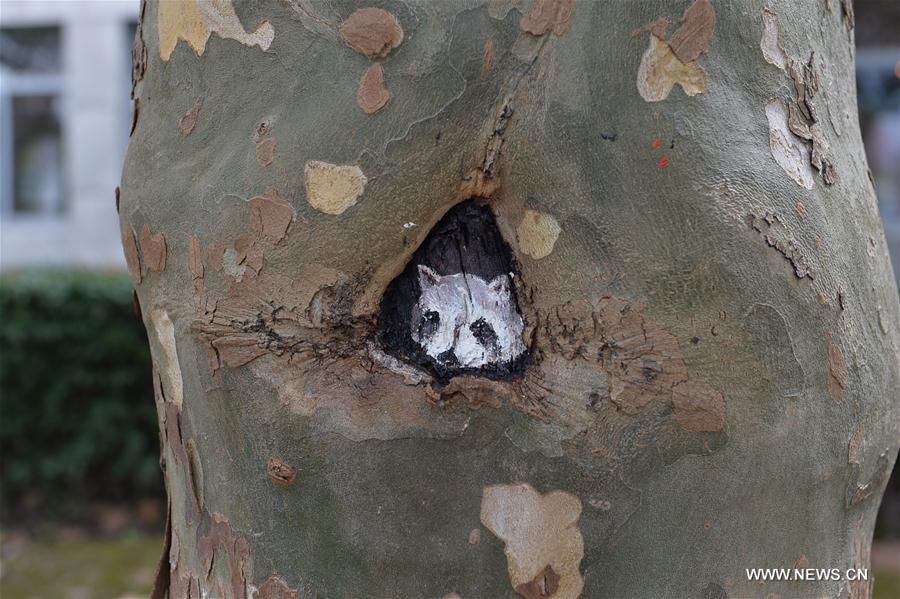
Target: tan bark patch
[[265, 151], [332, 188], [476, 391], [837, 373], [279, 472], [153, 249], [537, 234], [195, 262], [698, 407], [547, 16], [274, 588], [661, 69], [371, 95], [540, 532], [195, 20], [271, 215], [188, 120], [372, 31], [474, 536], [169, 366], [788, 150], [696, 32], [487, 58], [215, 253], [132, 259], [769, 44]]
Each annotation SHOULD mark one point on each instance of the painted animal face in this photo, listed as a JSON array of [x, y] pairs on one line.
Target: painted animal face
[[462, 320]]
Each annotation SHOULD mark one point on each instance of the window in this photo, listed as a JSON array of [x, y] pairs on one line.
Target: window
[[31, 170]]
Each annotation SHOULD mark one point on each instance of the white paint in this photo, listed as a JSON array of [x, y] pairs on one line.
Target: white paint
[[789, 151], [169, 369], [465, 304]]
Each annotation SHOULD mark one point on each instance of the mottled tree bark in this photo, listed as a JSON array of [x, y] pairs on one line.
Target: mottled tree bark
[[709, 313]]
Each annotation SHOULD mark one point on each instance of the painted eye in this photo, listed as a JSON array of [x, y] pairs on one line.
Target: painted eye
[[484, 333], [429, 323]]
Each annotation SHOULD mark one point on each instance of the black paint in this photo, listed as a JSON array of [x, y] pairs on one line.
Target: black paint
[[466, 240]]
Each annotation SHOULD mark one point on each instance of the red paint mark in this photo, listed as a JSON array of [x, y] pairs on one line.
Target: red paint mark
[[663, 163], [655, 143]]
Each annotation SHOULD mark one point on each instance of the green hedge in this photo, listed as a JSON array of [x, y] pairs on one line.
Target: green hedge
[[77, 419]]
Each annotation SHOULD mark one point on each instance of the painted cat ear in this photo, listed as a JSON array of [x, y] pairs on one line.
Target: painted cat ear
[[500, 284], [427, 277]]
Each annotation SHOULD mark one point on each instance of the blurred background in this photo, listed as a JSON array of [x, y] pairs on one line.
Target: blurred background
[[82, 502]]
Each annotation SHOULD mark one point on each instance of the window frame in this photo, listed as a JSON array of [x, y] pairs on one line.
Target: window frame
[[14, 84]]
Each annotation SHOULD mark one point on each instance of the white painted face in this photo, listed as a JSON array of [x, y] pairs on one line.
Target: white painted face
[[462, 320]]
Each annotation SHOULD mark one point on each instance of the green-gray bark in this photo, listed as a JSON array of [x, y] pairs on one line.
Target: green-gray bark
[[710, 312]]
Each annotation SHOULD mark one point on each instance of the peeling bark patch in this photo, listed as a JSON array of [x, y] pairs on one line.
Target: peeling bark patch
[[332, 188], [274, 588], [847, 12], [537, 234], [195, 20], [265, 151], [836, 370], [769, 44], [547, 16], [545, 584], [271, 215], [661, 69], [696, 32], [170, 368], [666, 63], [279, 472], [188, 120], [766, 226], [237, 553], [372, 31], [371, 95], [487, 58], [698, 407], [236, 351], [132, 258], [644, 364], [135, 110], [153, 250], [857, 492], [195, 262], [803, 118], [543, 544], [788, 150], [138, 53]]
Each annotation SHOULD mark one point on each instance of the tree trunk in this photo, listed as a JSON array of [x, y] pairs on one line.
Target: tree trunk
[[499, 298]]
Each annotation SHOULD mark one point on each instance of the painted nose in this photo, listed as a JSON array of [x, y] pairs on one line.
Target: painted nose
[[448, 358]]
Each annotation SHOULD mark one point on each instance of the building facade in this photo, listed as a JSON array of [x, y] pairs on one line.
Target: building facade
[[65, 86]]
